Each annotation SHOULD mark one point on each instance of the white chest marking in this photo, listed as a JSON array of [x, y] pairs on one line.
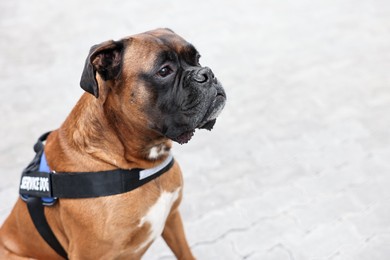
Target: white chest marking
[[156, 151], [157, 215]]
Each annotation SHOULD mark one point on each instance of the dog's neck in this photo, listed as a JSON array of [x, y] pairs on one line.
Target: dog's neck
[[99, 135]]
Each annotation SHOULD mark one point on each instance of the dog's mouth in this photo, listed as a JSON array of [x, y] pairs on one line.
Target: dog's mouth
[[185, 137]]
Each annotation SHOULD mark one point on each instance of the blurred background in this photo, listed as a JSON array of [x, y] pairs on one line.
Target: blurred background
[[297, 166]]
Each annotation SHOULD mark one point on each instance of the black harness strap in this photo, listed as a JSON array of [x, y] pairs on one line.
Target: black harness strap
[[39, 188], [73, 185], [37, 213], [98, 184]]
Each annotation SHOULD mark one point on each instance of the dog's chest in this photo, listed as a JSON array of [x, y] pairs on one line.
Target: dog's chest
[[157, 214]]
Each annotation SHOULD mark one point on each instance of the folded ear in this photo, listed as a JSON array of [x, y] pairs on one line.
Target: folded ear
[[106, 59]]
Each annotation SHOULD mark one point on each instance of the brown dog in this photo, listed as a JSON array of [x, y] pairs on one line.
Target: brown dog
[[147, 90]]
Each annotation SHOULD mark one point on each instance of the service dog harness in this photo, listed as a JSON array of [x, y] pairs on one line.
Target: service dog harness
[[39, 187]]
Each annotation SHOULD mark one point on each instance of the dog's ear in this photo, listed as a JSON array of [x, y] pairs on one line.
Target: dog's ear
[[104, 58]]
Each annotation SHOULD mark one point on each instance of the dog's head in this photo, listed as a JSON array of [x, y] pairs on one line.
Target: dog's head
[[156, 77]]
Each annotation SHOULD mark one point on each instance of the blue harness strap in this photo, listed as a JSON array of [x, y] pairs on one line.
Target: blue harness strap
[[44, 167]]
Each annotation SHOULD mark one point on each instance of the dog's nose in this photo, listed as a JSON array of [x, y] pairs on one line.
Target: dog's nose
[[204, 75]]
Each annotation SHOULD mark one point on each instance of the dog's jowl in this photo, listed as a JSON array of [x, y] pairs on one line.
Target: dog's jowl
[[105, 184]]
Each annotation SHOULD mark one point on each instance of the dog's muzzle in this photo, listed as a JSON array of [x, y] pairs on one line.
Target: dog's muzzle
[[207, 100]]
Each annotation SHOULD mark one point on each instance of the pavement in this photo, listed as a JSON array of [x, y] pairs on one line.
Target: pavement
[[297, 167]]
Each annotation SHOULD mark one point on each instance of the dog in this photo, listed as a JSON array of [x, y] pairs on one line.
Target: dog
[[141, 93]]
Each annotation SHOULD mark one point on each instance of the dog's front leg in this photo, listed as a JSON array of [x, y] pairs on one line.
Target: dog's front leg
[[173, 235]]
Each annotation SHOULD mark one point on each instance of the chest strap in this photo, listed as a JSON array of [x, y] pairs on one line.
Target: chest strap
[[37, 214], [40, 187]]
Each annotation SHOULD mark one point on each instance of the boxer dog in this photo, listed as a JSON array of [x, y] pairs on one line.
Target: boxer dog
[[142, 92]]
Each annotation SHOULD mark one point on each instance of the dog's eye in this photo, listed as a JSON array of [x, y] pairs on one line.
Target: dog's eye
[[165, 71]]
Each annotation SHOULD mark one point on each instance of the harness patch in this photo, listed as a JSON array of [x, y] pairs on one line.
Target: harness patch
[[35, 183]]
